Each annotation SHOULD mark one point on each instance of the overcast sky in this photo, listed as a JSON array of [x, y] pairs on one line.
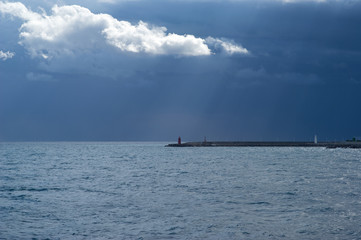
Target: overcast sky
[[142, 70]]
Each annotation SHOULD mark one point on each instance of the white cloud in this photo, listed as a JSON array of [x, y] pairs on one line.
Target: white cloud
[[6, 55], [226, 46], [73, 29], [17, 9]]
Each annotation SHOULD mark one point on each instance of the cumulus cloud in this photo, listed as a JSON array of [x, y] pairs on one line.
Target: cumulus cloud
[[17, 9], [6, 55], [72, 29], [226, 46]]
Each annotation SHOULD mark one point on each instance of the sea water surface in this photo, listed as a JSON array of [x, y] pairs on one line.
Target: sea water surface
[[116, 190]]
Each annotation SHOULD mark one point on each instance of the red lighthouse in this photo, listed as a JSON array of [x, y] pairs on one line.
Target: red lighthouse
[[179, 140]]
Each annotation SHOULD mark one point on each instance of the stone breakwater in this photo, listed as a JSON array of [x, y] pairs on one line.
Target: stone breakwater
[[269, 144]]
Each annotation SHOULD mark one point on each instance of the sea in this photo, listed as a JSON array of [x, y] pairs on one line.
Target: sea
[[135, 190]]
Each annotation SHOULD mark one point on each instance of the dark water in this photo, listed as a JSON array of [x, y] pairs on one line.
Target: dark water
[[147, 191]]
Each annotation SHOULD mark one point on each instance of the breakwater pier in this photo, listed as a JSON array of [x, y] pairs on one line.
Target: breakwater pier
[[345, 144]]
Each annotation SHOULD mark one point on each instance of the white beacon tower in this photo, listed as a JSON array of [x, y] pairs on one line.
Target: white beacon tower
[[315, 139]]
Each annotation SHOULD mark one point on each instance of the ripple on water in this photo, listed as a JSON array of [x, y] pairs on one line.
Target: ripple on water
[[146, 191]]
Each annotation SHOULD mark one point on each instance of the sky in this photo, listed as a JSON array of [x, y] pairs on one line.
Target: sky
[[137, 70]]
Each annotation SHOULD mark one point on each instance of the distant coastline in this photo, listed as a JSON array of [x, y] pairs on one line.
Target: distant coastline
[[345, 144]]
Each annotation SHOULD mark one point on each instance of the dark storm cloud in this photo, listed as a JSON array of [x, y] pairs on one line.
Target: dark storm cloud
[[301, 77], [311, 39]]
